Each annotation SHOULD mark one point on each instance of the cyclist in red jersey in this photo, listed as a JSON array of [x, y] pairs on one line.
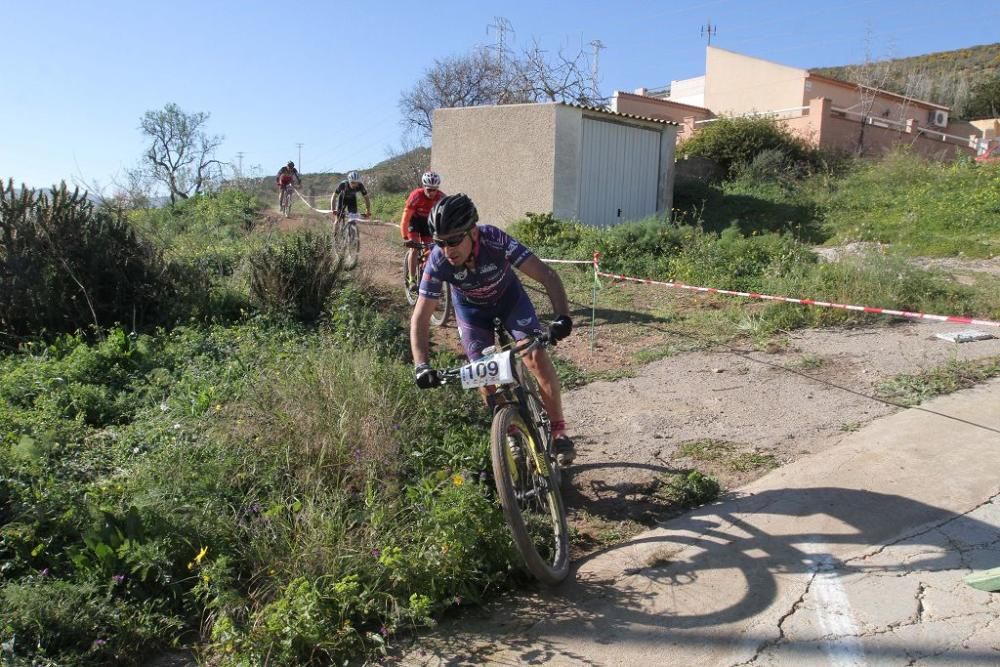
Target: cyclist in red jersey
[[286, 175], [413, 225]]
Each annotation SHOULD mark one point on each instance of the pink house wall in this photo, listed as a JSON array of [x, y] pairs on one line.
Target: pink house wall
[[823, 127], [652, 107]]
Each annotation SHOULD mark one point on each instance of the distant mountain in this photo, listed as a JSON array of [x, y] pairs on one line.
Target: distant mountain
[[945, 77]]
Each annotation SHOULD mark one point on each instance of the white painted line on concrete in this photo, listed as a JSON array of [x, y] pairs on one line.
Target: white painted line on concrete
[[833, 612]]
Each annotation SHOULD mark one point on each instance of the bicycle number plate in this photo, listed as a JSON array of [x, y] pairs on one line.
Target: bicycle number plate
[[495, 369]]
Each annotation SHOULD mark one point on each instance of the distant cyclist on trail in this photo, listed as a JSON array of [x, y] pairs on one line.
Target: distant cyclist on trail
[[286, 175], [478, 263], [413, 225], [346, 196]]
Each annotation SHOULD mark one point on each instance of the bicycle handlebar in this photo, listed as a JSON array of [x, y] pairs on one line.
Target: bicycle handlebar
[[520, 348]]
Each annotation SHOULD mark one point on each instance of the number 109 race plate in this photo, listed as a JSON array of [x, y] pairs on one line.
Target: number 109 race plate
[[495, 369]]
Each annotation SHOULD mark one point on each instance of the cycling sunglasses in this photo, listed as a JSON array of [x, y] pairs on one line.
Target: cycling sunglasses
[[450, 242]]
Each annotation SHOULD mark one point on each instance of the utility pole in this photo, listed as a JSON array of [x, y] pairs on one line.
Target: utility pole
[[597, 45], [500, 25], [300, 157], [239, 156], [708, 30]]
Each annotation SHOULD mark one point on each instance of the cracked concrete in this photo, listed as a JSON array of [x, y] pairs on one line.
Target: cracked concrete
[[854, 556]]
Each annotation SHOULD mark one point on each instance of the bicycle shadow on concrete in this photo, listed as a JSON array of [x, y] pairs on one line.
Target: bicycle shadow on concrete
[[726, 577]]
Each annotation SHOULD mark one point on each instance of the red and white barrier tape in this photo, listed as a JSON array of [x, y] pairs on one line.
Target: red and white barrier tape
[[306, 202], [804, 302], [566, 261], [325, 210]]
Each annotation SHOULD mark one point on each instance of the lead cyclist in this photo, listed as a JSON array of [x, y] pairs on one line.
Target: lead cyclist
[[477, 262]]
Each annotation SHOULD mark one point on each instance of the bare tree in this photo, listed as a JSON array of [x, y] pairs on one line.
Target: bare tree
[[180, 154], [409, 161], [128, 191], [870, 77], [539, 77], [501, 76], [463, 81]]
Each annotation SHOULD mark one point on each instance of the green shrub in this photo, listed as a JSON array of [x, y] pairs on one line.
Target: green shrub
[[356, 319], [53, 622], [65, 266], [211, 217], [919, 206], [735, 143], [736, 262], [691, 489], [388, 207], [294, 274]]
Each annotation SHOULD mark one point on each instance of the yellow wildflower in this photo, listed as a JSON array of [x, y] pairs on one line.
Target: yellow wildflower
[[201, 554], [457, 480]]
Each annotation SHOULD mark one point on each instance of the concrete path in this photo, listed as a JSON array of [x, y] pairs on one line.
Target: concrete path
[[850, 557]]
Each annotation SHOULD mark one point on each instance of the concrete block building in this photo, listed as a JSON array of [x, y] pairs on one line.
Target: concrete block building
[[578, 162]]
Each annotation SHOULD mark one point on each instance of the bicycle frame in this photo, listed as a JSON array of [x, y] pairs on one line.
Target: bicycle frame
[[523, 392]]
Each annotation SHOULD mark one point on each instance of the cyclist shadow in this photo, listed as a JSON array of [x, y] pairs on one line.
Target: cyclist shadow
[[717, 578], [776, 541]]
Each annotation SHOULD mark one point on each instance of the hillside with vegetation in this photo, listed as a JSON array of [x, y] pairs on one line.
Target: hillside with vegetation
[[966, 80], [394, 175]]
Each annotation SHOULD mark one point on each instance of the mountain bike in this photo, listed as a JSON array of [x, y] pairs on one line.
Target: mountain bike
[[346, 238], [525, 469], [285, 200], [440, 315]]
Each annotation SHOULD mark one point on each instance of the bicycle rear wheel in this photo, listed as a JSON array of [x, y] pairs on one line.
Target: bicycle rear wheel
[[531, 501]]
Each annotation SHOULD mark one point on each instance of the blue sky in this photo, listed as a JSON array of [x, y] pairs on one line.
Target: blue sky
[[78, 75]]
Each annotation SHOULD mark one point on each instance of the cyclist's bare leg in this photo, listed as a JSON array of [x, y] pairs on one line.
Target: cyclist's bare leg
[[411, 263], [540, 365]]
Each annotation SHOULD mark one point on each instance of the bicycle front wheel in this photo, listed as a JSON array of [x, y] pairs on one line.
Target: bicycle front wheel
[[440, 314], [352, 245], [411, 294], [531, 501]]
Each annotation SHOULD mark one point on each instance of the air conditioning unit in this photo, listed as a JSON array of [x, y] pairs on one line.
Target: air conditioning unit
[[938, 118]]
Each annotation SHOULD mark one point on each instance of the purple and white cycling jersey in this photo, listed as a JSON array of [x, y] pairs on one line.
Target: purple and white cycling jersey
[[487, 291], [496, 255]]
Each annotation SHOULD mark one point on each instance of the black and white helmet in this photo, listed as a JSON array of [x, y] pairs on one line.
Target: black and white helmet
[[430, 179], [353, 177], [453, 214]]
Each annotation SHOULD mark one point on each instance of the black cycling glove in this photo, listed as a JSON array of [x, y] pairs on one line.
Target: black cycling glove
[[427, 377], [559, 328]]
